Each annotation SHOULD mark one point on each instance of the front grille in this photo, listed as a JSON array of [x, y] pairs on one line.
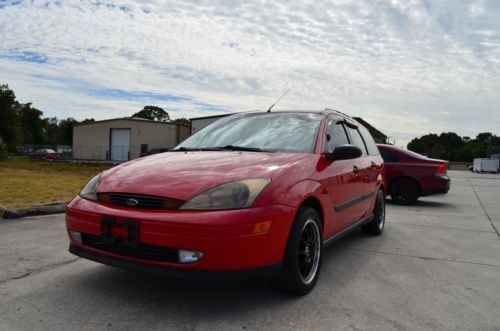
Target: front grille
[[140, 201], [146, 252]]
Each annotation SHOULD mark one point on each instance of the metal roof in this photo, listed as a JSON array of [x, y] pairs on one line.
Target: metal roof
[[135, 119]]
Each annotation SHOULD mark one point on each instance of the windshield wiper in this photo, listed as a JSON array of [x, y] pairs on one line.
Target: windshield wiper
[[223, 148], [242, 148], [187, 149]]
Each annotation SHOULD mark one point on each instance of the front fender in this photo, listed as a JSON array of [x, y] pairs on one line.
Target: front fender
[[300, 191]]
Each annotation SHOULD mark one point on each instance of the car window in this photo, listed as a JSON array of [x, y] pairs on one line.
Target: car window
[[336, 135], [50, 151], [357, 140], [388, 156], [288, 132], [371, 146]]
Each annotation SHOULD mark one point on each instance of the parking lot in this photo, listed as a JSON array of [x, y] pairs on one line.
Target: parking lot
[[437, 266]]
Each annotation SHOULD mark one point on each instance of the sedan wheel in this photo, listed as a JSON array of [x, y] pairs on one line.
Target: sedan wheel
[[404, 191]]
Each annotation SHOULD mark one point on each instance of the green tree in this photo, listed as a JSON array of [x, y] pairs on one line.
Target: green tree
[[65, 131], [32, 124], [10, 129], [183, 121], [449, 145], [87, 120], [424, 144], [153, 113], [52, 130], [438, 151], [483, 136]]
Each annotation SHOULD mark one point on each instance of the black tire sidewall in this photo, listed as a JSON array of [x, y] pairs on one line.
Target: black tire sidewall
[[373, 227], [290, 278], [396, 188]]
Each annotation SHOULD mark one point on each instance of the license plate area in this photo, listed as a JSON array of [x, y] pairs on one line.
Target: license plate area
[[119, 232]]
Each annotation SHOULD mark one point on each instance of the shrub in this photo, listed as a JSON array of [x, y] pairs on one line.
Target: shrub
[[3, 150]]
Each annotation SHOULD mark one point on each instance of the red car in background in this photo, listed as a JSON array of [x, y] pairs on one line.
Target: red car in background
[[45, 154], [252, 195], [409, 175]]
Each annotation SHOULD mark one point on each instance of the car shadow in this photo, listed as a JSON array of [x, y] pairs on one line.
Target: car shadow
[[211, 300], [423, 204]]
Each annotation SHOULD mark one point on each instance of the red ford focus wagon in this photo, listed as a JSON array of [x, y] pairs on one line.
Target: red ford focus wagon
[[254, 195]]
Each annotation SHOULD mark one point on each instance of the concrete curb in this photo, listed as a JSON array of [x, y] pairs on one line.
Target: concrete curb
[[53, 208]]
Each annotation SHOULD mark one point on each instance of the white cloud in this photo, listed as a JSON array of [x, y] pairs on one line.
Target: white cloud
[[400, 64]]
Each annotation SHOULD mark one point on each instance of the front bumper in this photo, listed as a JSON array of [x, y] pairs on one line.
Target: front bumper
[[262, 272], [226, 238]]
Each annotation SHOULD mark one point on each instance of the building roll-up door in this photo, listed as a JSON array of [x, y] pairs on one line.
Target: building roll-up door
[[120, 144]]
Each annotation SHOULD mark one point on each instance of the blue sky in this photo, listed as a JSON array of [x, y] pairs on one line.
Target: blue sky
[[408, 67]]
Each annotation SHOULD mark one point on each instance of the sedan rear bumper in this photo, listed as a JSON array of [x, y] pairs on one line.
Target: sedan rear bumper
[[438, 184]]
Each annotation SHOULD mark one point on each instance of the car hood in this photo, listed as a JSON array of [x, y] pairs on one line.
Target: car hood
[[182, 175]]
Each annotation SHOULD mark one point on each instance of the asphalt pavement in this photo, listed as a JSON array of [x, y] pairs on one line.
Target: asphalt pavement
[[437, 266]]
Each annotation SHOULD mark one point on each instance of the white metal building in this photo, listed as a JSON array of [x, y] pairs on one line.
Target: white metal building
[[199, 123], [122, 139]]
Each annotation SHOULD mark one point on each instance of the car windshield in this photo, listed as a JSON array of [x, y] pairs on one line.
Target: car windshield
[[272, 132]]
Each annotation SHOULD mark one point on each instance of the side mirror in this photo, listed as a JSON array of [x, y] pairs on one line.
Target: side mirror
[[344, 152]]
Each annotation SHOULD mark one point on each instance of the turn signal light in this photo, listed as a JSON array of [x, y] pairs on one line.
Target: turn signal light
[[262, 227]]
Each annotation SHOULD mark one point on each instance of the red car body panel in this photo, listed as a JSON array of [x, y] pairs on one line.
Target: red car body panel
[[227, 237], [423, 170]]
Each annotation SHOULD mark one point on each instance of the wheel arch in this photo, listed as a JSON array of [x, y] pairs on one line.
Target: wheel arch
[[314, 203]]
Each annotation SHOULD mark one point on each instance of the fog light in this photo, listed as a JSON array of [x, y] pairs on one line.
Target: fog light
[[189, 256], [77, 236]]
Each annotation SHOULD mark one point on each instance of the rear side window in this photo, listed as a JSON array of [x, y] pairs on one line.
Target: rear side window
[[388, 156], [370, 143], [357, 140], [336, 136]]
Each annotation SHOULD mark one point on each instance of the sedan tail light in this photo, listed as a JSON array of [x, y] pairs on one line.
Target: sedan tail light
[[442, 169]]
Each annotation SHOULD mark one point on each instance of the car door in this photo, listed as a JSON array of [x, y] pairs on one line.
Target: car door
[[341, 179], [376, 161], [365, 181]]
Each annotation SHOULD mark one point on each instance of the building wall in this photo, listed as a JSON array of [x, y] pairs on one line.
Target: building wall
[[198, 124], [91, 141], [184, 131]]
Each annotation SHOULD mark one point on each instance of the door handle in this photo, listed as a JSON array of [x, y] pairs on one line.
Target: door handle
[[355, 169]]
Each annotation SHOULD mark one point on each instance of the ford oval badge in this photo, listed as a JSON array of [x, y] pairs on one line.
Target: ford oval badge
[[132, 202]]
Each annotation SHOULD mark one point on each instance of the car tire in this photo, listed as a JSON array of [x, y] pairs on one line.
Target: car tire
[[377, 225], [302, 260], [404, 191]]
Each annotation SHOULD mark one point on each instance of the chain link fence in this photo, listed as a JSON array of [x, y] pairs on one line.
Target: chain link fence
[[65, 151]]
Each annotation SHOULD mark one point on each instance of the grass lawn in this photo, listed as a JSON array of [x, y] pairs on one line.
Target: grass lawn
[[25, 182]]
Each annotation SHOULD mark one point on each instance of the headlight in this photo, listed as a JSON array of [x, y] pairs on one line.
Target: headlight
[[89, 191], [232, 195]]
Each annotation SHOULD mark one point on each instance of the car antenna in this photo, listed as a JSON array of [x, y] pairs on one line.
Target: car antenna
[[281, 97]]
